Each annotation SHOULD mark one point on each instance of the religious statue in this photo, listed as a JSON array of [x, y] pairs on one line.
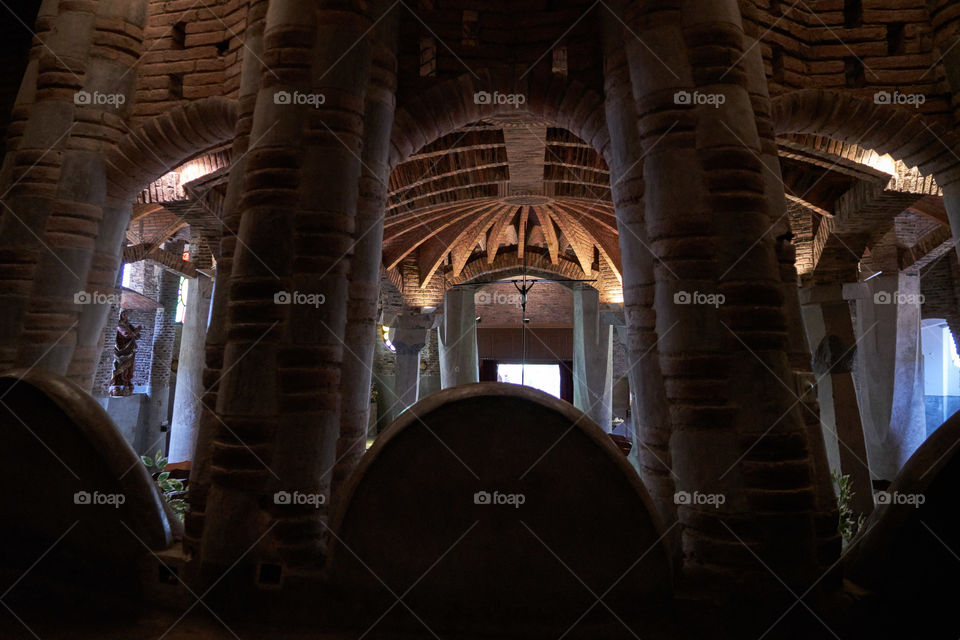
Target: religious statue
[[124, 356]]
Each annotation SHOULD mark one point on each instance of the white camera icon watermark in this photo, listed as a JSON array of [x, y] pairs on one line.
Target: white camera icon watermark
[[896, 498], [887, 297], [88, 99], [496, 498], [96, 498], [315, 100], [709, 299], [696, 98], [95, 297], [485, 97], [286, 498], [310, 299], [915, 100], [498, 297], [686, 498]]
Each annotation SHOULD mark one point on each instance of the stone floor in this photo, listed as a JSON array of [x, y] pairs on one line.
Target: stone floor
[[700, 622]]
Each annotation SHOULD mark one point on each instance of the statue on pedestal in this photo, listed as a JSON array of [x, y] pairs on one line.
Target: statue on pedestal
[[124, 356]]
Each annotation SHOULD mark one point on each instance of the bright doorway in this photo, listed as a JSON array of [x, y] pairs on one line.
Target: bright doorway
[[545, 377]]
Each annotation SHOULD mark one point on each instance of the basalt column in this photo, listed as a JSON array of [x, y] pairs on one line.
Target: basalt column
[[361, 330], [459, 361], [288, 293], [719, 300], [650, 418], [217, 331], [71, 109]]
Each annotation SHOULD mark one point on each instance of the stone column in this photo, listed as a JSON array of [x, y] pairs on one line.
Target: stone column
[[200, 470], [650, 418], [831, 335], [407, 382], [592, 358], [409, 336], [457, 338], [153, 437], [288, 291], [187, 409], [708, 216], [54, 229], [361, 330], [888, 374]]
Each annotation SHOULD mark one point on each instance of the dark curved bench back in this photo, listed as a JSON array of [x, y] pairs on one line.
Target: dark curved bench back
[[65, 463], [909, 551], [422, 509]]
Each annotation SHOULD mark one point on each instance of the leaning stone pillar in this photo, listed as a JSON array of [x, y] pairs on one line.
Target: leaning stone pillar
[[707, 215], [187, 409], [592, 358], [361, 330], [288, 292], [457, 333], [650, 418], [833, 362], [54, 179], [889, 376]]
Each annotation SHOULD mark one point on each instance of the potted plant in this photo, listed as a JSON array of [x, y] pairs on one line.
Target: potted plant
[[174, 491]]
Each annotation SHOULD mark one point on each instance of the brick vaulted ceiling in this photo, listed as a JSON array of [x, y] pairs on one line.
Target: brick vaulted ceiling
[[501, 187], [506, 189]]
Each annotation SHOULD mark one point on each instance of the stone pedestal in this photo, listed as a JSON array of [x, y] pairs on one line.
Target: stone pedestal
[[592, 358], [187, 407], [457, 335]]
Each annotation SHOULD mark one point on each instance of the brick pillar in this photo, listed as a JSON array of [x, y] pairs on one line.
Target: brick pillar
[[361, 329], [200, 470], [707, 215], [50, 232], [802, 382], [650, 418], [298, 210]]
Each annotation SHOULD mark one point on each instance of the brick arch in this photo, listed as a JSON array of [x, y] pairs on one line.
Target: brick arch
[[903, 133], [165, 141], [563, 103], [478, 271]]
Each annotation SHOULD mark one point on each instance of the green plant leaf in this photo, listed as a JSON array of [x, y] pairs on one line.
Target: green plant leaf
[[166, 486], [176, 484], [163, 476], [147, 460], [161, 463]]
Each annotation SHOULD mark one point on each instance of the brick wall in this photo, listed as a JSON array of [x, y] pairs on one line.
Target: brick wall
[[549, 304], [192, 51]]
